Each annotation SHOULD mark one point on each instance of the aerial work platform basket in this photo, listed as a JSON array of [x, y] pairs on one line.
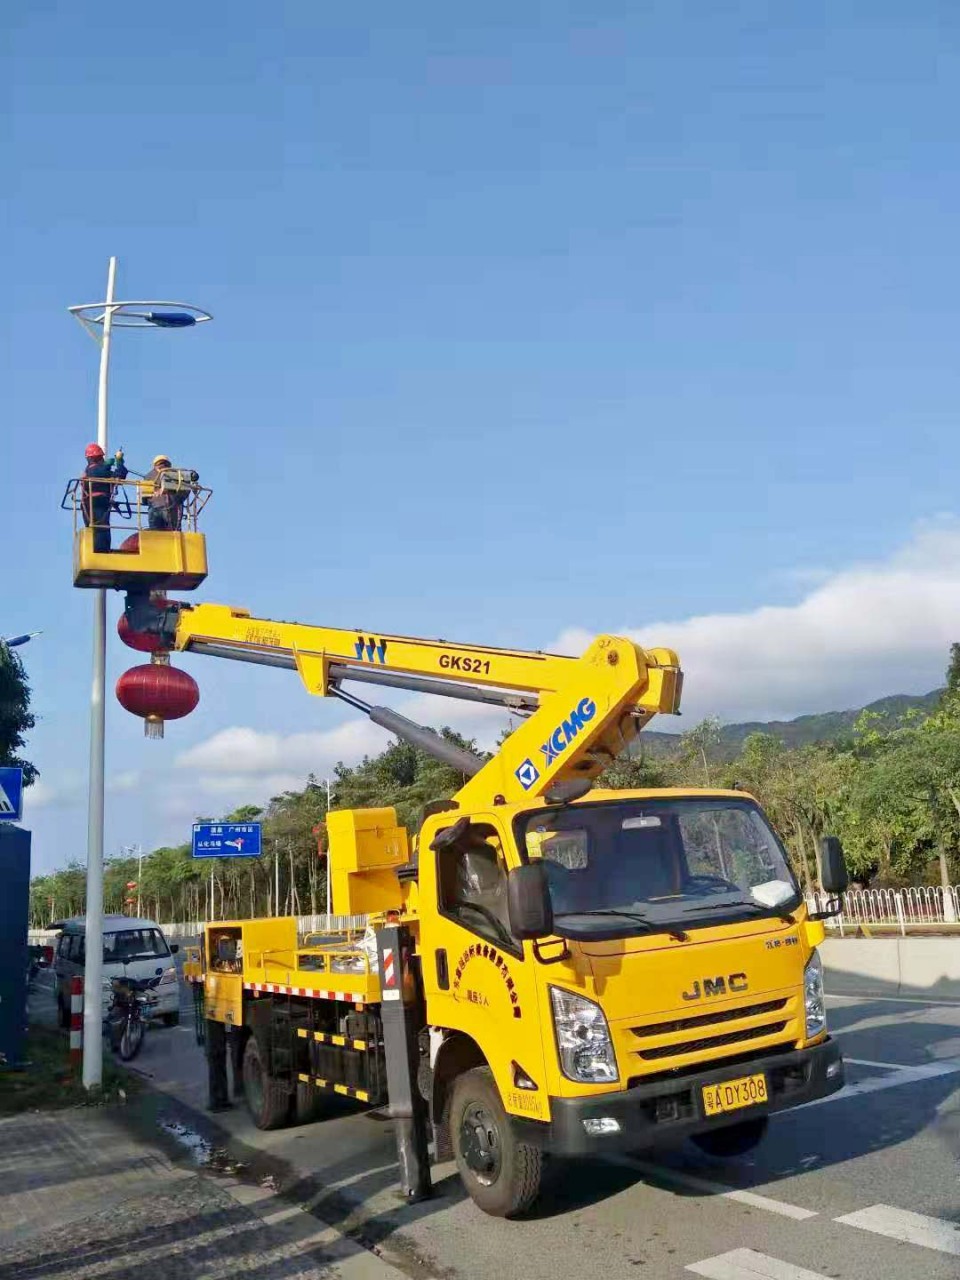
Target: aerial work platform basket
[[119, 548]]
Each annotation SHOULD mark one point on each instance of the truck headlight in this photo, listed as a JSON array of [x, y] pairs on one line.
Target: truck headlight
[[583, 1038], [814, 1007]]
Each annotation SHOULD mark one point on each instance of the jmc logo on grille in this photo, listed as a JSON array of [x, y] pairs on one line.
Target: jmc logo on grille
[[719, 986]]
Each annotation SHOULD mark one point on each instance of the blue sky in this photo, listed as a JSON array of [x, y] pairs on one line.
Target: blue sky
[[530, 323]]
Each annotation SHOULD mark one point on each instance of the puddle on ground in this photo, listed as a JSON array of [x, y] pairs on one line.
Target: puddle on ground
[[203, 1153]]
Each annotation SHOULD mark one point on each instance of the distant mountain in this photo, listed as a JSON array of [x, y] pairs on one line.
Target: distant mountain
[[829, 726]]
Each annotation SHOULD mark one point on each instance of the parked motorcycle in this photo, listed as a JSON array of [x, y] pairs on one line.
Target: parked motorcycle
[[130, 1006]]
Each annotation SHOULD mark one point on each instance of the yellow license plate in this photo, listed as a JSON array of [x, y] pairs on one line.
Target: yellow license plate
[[731, 1095]]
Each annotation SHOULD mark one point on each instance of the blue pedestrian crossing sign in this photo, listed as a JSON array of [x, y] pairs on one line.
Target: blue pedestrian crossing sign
[[11, 794], [226, 840]]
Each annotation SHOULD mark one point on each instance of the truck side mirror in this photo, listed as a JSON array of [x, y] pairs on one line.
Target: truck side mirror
[[833, 865], [528, 901]]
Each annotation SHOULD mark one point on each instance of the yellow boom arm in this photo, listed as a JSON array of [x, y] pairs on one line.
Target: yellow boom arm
[[581, 712]]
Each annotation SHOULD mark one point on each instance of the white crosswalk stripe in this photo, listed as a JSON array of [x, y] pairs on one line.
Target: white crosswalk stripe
[[747, 1264], [912, 1228]]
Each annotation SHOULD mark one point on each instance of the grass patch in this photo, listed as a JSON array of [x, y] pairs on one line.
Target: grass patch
[[47, 1081]]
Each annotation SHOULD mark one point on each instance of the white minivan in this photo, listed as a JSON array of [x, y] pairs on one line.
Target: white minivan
[[132, 948]]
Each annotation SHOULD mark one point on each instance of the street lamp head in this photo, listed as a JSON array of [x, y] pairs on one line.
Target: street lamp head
[[171, 319], [139, 315], [13, 641]]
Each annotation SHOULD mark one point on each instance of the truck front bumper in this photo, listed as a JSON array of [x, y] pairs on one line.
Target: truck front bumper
[[668, 1110]]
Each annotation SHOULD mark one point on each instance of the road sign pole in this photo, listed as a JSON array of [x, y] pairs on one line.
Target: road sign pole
[[93, 971]]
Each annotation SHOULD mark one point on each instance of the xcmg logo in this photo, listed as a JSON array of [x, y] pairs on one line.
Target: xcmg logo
[[565, 733]]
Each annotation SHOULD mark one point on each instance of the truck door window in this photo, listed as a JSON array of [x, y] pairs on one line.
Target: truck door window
[[472, 877]]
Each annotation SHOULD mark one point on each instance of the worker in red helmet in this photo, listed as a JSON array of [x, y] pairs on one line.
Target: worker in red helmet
[[97, 492]]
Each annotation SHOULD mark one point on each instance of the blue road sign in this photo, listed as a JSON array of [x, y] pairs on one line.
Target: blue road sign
[[11, 794], [226, 840]]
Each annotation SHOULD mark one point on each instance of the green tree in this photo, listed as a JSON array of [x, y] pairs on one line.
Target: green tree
[[16, 719], [697, 746]]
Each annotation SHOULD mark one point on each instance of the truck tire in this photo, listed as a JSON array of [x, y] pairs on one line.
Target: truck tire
[[501, 1174], [267, 1098], [733, 1139], [309, 1104], [171, 1019], [63, 1013]]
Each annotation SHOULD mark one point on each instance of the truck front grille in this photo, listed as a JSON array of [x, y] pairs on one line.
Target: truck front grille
[[708, 1019], [705, 1043]]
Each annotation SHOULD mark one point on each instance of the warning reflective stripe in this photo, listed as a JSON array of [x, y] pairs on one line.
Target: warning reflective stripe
[[360, 1094], [389, 969], [326, 1038], [277, 988]]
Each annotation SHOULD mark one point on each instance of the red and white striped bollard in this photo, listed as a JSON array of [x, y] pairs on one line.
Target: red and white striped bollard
[[76, 1022]]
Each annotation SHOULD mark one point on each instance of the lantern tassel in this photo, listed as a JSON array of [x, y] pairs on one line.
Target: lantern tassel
[[153, 727]]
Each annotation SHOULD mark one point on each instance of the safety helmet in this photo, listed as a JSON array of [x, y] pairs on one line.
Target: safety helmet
[[93, 451], [161, 457]]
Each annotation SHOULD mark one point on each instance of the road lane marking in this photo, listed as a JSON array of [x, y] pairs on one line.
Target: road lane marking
[[747, 1264], [932, 1003], [902, 1076], [695, 1183], [868, 1062], [912, 1228]]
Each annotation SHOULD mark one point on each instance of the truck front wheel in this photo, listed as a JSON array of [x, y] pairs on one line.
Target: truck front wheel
[[733, 1139], [268, 1099], [501, 1174]]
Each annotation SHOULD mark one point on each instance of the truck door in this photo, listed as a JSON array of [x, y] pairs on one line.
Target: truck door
[[478, 978]]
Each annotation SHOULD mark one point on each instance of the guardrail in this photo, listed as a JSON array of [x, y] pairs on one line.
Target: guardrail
[[915, 908]]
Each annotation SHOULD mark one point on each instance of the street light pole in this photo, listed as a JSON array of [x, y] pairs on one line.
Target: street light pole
[[99, 319], [93, 968]]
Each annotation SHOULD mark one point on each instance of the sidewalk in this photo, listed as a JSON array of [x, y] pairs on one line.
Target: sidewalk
[[83, 1196]]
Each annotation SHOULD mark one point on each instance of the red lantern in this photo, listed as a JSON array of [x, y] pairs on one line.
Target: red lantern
[[157, 692], [144, 641]]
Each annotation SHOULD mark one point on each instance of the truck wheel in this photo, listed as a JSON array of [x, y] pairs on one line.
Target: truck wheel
[[501, 1174], [171, 1019], [63, 1014], [309, 1103], [267, 1098], [733, 1139]]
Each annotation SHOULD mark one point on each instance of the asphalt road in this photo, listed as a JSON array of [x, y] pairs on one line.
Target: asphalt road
[[861, 1186]]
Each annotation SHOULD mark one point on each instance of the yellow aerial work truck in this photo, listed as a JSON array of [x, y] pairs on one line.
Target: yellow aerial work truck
[[550, 968]]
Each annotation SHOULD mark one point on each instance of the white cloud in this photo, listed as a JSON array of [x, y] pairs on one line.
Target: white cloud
[[865, 631], [42, 796], [241, 751], [68, 790], [129, 780]]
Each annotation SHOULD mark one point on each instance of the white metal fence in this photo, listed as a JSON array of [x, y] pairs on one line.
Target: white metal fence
[[305, 924], [187, 930], [925, 905]]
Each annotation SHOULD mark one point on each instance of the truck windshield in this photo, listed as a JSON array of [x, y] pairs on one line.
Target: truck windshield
[[667, 864]]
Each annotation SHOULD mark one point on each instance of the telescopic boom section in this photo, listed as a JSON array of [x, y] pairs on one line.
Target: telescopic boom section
[[580, 712], [324, 656]]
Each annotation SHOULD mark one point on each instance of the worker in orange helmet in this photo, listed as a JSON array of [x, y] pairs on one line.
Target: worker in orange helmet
[[97, 492]]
